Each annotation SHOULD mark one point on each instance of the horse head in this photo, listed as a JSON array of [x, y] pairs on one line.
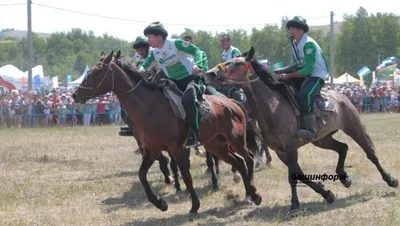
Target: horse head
[[232, 72], [98, 81]]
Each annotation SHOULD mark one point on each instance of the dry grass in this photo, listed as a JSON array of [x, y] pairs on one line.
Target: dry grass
[[88, 176]]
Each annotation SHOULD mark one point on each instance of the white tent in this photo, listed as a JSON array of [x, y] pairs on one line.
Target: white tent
[[346, 77], [10, 72], [78, 81]]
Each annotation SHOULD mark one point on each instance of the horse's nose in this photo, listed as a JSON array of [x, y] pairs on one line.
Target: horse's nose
[[74, 96]]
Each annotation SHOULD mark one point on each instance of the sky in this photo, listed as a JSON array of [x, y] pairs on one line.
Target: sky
[[209, 15]]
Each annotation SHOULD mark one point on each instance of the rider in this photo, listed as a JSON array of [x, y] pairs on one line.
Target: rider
[[229, 52], [313, 67], [142, 48], [181, 61]]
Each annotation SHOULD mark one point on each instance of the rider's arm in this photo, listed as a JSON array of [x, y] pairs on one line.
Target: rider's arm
[[187, 47], [235, 53], [148, 62], [310, 51]]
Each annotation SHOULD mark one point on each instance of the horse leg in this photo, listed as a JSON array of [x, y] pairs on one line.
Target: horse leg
[[174, 168], [223, 152], [239, 146], [148, 159], [236, 174], [329, 142], [210, 165], [268, 158], [216, 162], [182, 162], [317, 187], [163, 162], [359, 135]]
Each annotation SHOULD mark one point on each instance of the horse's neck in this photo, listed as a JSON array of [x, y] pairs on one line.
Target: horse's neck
[[263, 102]]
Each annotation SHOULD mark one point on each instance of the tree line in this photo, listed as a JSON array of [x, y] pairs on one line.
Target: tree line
[[363, 39]]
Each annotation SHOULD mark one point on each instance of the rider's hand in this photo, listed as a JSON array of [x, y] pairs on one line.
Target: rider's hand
[[283, 76], [195, 70]]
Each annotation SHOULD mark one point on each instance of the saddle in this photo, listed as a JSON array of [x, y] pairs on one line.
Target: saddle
[[174, 96], [322, 102]]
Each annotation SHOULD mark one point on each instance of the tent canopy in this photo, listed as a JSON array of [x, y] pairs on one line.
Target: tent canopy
[[342, 79]]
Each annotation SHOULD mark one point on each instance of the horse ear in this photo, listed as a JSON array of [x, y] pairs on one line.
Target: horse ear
[[250, 54], [118, 55], [109, 58], [102, 54]]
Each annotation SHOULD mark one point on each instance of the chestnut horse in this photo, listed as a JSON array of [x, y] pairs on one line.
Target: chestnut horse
[[223, 133]]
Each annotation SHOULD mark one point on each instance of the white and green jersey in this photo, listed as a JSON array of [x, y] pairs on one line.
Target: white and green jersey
[[232, 52], [177, 58], [140, 59], [312, 58]]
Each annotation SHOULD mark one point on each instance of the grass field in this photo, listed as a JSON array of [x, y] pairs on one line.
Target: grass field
[[88, 176]]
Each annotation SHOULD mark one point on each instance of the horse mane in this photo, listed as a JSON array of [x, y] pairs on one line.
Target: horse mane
[[137, 77], [268, 77]]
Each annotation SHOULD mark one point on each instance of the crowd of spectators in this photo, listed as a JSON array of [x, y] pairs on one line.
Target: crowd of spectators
[[55, 107]]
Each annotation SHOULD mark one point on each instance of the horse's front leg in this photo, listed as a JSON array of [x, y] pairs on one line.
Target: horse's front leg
[[183, 165], [149, 156]]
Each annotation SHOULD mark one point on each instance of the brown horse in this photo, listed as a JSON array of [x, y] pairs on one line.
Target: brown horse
[[223, 132], [270, 99], [155, 76]]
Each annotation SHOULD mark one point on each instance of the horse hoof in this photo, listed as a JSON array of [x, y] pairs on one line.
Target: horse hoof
[[293, 213], [164, 205], [393, 183], [178, 192], [257, 199], [216, 188], [247, 201], [346, 183], [236, 177], [193, 216], [330, 198]]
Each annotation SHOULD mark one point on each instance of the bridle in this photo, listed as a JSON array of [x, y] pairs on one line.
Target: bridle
[[108, 72], [249, 73]]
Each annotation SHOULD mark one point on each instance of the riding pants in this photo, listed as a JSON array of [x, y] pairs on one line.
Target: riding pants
[[305, 97], [193, 88]]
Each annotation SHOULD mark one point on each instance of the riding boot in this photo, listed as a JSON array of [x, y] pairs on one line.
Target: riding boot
[[126, 131], [194, 132], [307, 130], [193, 138]]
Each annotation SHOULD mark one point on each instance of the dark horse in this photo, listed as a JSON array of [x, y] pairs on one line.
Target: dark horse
[[158, 129], [270, 98]]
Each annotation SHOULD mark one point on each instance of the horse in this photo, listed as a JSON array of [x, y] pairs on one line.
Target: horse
[[155, 76], [273, 103], [223, 128]]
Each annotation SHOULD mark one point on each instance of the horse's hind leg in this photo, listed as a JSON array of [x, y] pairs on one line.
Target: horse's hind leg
[[148, 159], [329, 142], [357, 131], [175, 173], [223, 152], [210, 165], [163, 162]]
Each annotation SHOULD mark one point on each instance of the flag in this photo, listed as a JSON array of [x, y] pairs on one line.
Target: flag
[[55, 81], [364, 71], [36, 80], [69, 78], [277, 65]]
